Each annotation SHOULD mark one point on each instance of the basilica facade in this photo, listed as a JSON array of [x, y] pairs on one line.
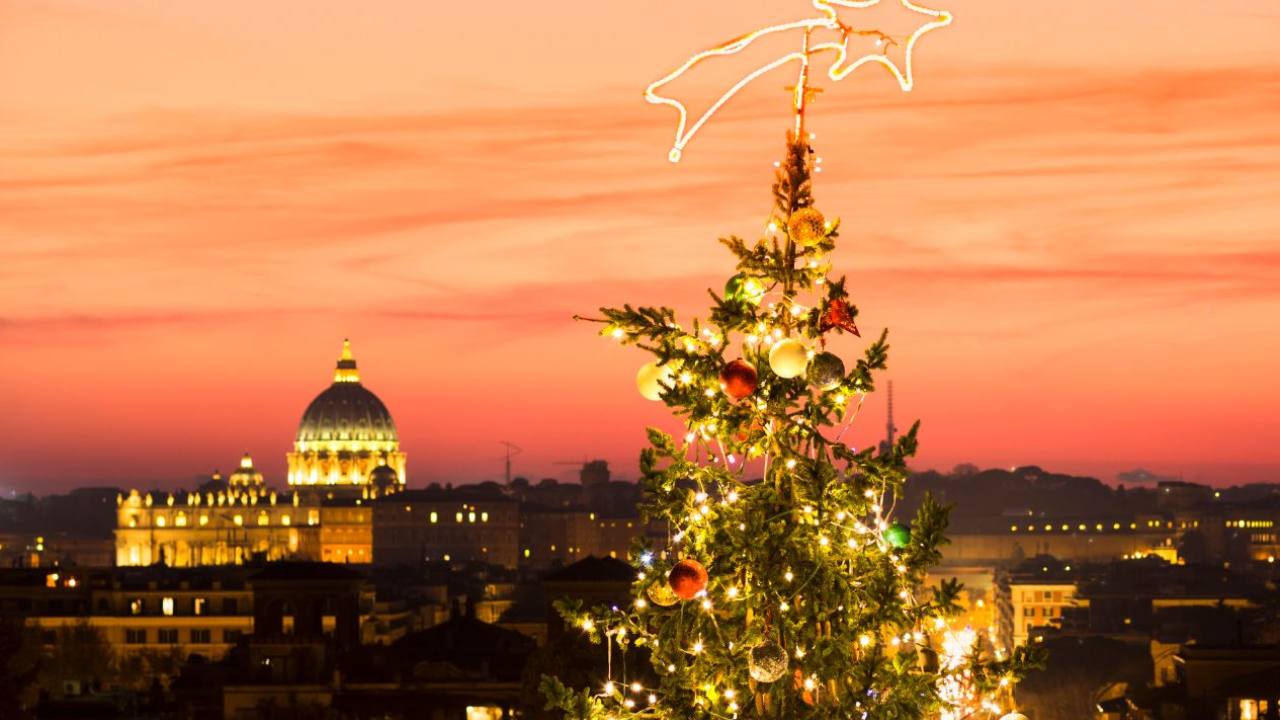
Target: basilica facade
[[346, 454]]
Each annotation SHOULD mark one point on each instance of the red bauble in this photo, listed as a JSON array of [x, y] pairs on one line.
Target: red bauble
[[838, 315], [738, 379], [687, 579]]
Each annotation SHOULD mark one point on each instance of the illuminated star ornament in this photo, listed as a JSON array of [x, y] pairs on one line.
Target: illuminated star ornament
[[842, 62]]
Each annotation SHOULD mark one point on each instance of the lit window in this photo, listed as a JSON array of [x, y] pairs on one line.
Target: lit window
[[204, 520], [434, 517], [484, 517], [135, 606], [526, 552], [263, 519], [1248, 710], [199, 605], [161, 521], [133, 521], [313, 517], [166, 605], [51, 580], [484, 712], [238, 520], [471, 517], [285, 520]]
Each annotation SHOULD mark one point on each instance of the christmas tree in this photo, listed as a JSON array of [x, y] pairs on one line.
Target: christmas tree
[[788, 587]]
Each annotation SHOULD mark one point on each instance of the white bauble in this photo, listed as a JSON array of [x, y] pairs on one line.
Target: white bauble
[[1014, 716], [649, 379], [788, 358]]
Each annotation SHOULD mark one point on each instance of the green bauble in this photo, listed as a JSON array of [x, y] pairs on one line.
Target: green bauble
[[897, 535], [826, 370], [742, 288]]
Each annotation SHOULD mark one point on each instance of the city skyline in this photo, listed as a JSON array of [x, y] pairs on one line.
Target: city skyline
[[197, 203]]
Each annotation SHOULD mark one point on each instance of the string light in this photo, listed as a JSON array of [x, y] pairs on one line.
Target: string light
[[841, 66]]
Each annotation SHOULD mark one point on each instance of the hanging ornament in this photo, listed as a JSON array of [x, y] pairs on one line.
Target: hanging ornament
[[687, 579], [767, 662], [650, 379], [661, 594], [738, 379], [897, 535], [807, 227], [838, 315], [742, 288], [1014, 716], [826, 370], [805, 694], [788, 357]]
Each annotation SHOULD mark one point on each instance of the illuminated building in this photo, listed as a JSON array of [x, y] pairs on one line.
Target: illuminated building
[[345, 434], [189, 529], [245, 477], [1033, 596]]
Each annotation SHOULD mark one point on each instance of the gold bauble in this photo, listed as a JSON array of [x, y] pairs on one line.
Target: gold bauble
[[788, 358], [807, 227], [661, 594], [650, 379]]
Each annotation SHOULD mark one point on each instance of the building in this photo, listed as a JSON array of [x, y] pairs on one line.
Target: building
[[1033, 595], [227, 527], [346, 454], [346, 434], [138, 611], [465, 524]]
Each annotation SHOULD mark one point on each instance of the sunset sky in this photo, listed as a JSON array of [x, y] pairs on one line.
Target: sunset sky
[[1071, 226]]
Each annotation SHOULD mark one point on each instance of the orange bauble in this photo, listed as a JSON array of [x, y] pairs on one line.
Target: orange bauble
[[687, 579], [738, 379]]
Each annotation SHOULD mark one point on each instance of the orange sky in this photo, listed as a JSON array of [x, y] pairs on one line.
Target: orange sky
[[1070, 226]]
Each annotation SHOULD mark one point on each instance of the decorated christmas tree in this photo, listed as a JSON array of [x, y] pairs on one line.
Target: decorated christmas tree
[[789, 587]]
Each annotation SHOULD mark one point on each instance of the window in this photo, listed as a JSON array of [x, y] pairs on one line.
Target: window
[[231, 636], [229, 606], [238, 520], [168, 636], [200, 637], [434, 517], [285, 520], [204, 520], [166, 606], [313, 517], [161, 521], [263, 519], [199, 606], [135, 636], [136, 606], [181, 520]]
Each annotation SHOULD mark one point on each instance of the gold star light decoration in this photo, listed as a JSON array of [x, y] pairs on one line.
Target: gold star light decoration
[[842, 61]]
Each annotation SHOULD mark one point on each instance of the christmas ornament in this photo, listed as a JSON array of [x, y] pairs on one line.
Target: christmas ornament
[[806, 695], [662, 595], [1014, 716], [767, 662], [838, 315], [788, 357], [741, 288], [826, 370], [897, 535], [687, 578], [738, 379], [650, 379], [807, 227]]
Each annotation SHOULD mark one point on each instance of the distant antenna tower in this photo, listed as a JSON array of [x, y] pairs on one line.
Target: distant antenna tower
[[512, 451], [890, 430]]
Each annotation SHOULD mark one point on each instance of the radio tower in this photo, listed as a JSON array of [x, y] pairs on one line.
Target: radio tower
[[890, 430]]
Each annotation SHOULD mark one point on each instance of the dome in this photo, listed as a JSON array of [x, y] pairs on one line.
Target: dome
[[384, 477], [346, 412], [345, 433]]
